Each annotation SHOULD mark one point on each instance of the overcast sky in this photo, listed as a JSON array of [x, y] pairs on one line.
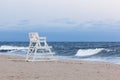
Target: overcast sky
[[60, 20]]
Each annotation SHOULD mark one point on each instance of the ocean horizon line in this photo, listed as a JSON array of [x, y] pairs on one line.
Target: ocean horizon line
[[70, 41]]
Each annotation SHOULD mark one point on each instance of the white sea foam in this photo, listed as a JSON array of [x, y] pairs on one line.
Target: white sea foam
[[88, 52], [5, 47]]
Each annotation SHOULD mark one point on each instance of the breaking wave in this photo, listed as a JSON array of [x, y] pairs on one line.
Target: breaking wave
[[88, 52], [6, 48]]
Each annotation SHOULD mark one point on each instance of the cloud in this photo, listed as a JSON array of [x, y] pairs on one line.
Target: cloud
[[98, 26], [62, 25], [63, 21], [24, 22]]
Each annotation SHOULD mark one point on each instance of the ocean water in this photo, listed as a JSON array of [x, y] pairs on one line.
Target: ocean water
[[91, 51]]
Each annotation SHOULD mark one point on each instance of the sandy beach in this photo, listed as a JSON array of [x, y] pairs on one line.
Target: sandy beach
[[15, 68]]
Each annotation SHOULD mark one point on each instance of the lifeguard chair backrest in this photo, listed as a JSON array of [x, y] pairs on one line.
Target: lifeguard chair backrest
[[34, 37]]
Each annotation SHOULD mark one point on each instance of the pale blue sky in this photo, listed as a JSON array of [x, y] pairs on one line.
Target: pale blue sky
[[60, 20]]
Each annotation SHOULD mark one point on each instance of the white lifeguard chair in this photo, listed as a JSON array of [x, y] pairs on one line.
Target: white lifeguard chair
[[38, 47]]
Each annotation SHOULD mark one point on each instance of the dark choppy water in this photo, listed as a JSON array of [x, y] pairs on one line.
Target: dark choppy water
[[93, 51]]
